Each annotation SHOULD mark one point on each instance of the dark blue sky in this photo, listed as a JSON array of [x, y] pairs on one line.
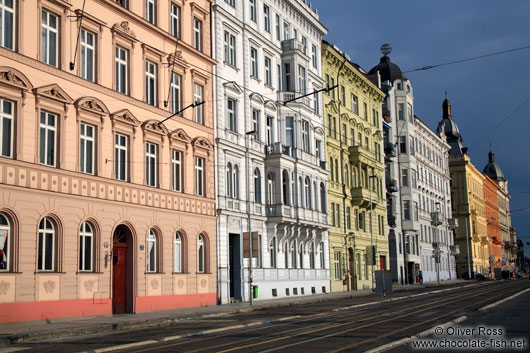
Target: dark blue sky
[[482, 92]]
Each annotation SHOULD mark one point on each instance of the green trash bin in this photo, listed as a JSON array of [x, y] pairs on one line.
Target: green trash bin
[[254, 292]]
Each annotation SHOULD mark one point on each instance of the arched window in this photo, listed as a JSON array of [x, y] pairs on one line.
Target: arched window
[[270, 189], [312, 255], [46, 247], [229, 192], [285, 187], [257, 186], [300, 192], [307, 193], [151, 251], [322, 255], [272, 252], [201, 254], [301, 255], [323, 207], [292, 250], [177, 251], [353, 177], [86, 247], [315, 196], [5, 243], [235, 178]]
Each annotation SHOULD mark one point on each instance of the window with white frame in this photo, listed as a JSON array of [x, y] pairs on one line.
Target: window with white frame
[[270, 189], [152, 251], [230, 48], [121, 70], [150, 83], [5, 243], [272, 253], [176, 167], [305, 136], [256, 117], [88, 55], [197, 33], [175, 20], [252, 9], [314, 56], [337, 265], [201, 254], [253, 62], [150, 11], [268, 71], [7, 24], [231, 110], [278, 36], [7, 120], [304, 44], [289, 131], [46, 245], [301, 255], [198, 111], [48, 139], [86, 148], [235, 178], [270, 136], [307, 194], [86, 247], [312, 255], [267, 18], [231, 2], [176, 93], [355, 104], [286, 31], [150, 164], [229, 180], [49, 39], [199, 176], [322, 255], [257, 186], [121, 155], [292, 252], [177, 253]]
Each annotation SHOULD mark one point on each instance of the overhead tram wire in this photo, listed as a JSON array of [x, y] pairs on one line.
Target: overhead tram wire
[[428, 67]]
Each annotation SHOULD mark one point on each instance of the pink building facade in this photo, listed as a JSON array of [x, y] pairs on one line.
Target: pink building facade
[[103, 209]]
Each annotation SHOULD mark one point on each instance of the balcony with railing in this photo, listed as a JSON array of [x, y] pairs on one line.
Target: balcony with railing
[[392, 185], [359, 153], [293, 97], [361, 197], [278, 148], [292, 44]]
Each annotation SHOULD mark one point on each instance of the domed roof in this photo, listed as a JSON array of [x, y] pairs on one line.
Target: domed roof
[[492, 169], [388, 70], [449, 128]]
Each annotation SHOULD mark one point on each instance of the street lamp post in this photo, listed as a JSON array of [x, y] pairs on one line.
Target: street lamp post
[[249, 227], [372, 231]]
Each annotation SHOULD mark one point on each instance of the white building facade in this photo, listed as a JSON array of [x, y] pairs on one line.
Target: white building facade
[[270, 155], [434, 205]]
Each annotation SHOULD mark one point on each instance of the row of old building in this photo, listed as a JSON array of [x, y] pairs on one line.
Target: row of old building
[[143, 141]]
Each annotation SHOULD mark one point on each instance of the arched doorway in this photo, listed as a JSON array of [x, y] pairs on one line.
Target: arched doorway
[[351, 269], [122, 271]]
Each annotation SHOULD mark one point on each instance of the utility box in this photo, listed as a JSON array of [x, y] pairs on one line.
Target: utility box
[[255, 292], [383, 283]]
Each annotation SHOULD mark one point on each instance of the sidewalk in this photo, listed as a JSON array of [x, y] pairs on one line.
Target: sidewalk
[[56, 328]]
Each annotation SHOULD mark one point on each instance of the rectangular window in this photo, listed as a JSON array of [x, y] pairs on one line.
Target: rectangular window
[[230, 48], [176, 93], [121, 157], [176, 167], [199, 176], [197, 34], [402, 144], [404, 177], [278, 37], [232, 114], [150, 11], [268, 71], [355, 104], [348, 217], [318, 150], [86, 148], [253, 62], [342, 95], [333, 214], [252, 9], [270, 137], [88, 57], [7, 115], [304, 44], [48, 138], [401, 108], [279, 72], [150, 83], [305, 136], [7, 24], [286, 30], [256, 117], [409, 113], [49, 39], [266, 18], [338, 213], [365, 111], [415, 210], [175, 20], [121, 60], [406, 210], [301, 79], [287, 82], [85, 247], [314, 56], [198, 113], [289, 131], [337, 266], [231, 2], [150, 164]]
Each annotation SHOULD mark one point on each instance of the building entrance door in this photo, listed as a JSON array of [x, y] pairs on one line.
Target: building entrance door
[[122, 271], [351, 268], [234, 249]]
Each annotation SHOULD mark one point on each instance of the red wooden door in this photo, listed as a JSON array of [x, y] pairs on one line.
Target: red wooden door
[[382, 262], [119, 272]]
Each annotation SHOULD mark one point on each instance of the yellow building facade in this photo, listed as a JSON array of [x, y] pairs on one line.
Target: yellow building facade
[[353, 142]]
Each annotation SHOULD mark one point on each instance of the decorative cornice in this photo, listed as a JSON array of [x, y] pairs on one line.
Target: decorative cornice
[[202, 142], [124, 29], [15, 78], [180, 135], [155, 127], [91, 104], [126, 117], [54, 92]]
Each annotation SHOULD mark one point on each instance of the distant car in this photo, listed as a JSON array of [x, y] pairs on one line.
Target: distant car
[[480, 276]]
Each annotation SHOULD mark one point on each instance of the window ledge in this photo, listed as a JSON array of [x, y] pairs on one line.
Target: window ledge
[[231, 65], [88, 273], [49, 273], [255, 78], [9, 273], [180, 273], [154, 273]]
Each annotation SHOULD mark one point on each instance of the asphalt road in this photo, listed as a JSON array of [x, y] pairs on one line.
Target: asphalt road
[[355, 324]]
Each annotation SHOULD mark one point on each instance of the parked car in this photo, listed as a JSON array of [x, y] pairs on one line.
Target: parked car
[[480, 276], [474, 275]]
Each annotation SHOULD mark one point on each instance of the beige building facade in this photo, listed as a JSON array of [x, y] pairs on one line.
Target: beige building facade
[[104, 208]]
